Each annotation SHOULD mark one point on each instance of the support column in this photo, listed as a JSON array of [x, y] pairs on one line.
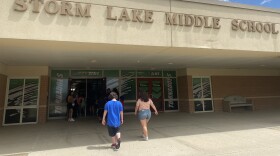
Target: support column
[[3, 86], [185, 93], [43, 100]]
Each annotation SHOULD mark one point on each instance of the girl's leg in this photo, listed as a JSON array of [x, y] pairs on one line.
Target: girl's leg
[[144, 127]]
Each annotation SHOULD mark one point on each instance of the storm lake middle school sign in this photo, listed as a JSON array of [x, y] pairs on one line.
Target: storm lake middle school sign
[[65, 8]]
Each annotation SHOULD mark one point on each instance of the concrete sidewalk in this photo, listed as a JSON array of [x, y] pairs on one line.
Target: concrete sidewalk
[[238, 133]]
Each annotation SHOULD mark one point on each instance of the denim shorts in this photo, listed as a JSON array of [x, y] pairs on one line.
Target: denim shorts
[[144, 114]]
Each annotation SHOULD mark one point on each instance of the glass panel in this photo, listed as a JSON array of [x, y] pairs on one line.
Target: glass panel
[[111, 73], [112, 82], [59, 89], [128, 88], [15, 92], [197, 91], [157, 94], [129, 106], [57, 111], [198, 106], [128, 73], [171, 105], [60, 74], [143, 86], [29, 115], [206, 88], [12, 116], [156, 89], [170, 88], [208, 105], [169, 73], [96, 89], [31, 92]]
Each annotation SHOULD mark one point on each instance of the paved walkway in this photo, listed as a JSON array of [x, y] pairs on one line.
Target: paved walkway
[[175, 134]]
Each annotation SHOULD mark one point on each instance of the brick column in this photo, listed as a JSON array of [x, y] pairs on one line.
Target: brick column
[[185, 94], [43, 99], [3, 85]]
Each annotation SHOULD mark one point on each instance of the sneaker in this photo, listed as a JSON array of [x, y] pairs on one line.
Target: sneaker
[[146, 138], [72, 119], [119, 144], [113, 146], [142, 136]]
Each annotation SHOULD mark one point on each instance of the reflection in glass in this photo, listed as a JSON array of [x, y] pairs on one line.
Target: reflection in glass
[[15, 92], [171, 105], [170, 88], [29, 115], [197, 90], [143, 86], [57, 111], [31, 92], [206, 88], [112, 82], [12, 116], [128, 88], [129, 106], [208, 105], [198, 106]]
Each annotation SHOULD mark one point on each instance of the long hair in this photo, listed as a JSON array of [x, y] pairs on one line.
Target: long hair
[[144, 96]]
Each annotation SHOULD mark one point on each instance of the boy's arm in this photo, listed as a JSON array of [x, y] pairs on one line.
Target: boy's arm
[[103, 119]]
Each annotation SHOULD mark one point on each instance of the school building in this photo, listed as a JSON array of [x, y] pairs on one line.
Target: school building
[[187, 54]]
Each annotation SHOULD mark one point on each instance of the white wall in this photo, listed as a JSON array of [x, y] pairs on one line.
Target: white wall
[[225, 37], [2, 68], [232, 72], [97, 29], [26, 71]]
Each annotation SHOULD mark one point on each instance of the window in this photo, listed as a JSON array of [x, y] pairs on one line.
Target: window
[[22, 101], [202, 94]]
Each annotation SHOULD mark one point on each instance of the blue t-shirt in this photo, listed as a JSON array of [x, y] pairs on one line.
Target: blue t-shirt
[[113, 109]]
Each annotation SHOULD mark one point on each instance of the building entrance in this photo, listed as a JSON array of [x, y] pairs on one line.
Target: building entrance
[[154, 87], [90, 90], [91, 84]]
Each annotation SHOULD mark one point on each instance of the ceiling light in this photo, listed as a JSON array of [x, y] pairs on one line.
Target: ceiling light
[[93, 61], [170, 63]]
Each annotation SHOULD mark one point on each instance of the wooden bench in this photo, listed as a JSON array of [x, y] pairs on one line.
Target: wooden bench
[[236, 101]]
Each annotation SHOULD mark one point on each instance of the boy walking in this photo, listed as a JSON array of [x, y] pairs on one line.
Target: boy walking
[[114, 111]]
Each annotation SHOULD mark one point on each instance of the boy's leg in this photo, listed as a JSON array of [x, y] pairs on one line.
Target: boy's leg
[[118, 139], [114, 141]]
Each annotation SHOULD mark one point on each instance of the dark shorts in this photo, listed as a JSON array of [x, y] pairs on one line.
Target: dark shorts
[[113, 131], [144, 114], [70, 106]]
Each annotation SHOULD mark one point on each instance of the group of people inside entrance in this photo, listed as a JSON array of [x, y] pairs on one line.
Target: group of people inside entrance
[[113, 116], [74, 105]]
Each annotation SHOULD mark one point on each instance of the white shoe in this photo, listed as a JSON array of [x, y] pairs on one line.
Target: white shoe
[[146, 138], [72, 119]]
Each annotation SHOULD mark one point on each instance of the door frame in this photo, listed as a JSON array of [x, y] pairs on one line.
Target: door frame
[[150, 90]]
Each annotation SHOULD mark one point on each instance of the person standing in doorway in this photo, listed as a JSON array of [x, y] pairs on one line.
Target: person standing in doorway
[[114, 111], [142, 108], [70, 106]]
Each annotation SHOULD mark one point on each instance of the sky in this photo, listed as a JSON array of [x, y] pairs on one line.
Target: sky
[[264, 3]]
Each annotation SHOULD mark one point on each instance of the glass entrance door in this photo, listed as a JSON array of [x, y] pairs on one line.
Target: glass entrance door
[[91, 90], [154, 87]]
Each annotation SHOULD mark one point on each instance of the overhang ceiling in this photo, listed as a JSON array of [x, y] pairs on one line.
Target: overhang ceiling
[[107, 56]]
